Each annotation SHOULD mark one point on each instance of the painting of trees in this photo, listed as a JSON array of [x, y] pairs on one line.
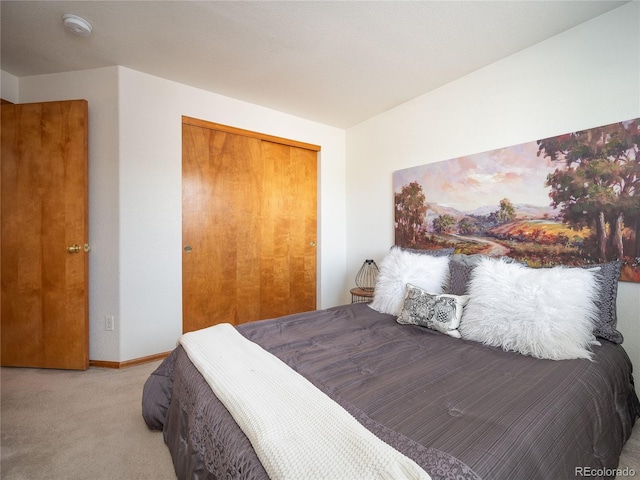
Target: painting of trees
[[410, 209], [506, 213], [572, 199], [596, 185]]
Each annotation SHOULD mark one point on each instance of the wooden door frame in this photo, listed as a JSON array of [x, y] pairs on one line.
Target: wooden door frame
[[248, 133]]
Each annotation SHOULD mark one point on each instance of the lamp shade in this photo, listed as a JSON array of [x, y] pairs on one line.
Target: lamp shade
[[367, 275]]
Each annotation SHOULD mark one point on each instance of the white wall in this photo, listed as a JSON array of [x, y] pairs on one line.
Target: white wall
[[150, 209], [135, 157], [585, 77], [10, 87]]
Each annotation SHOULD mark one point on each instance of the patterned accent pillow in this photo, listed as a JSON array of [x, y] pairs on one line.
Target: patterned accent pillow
[[607, 275], [437, 312]]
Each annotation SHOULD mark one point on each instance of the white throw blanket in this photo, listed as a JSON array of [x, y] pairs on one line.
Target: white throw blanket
[[297, 431]]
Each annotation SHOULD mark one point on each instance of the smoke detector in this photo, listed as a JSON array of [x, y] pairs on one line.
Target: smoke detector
[[77, 25]]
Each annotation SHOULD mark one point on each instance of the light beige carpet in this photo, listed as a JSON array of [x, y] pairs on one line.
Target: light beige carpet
[[65, 425]]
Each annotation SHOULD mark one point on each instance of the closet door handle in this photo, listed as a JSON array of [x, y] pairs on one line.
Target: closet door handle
[[188, 248]]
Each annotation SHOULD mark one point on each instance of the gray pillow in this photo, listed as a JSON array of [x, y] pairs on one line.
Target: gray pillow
[[607, 275], [460, 268]]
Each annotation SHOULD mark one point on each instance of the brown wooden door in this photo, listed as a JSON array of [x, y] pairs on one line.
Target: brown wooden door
[[44, 211], [249, 227]]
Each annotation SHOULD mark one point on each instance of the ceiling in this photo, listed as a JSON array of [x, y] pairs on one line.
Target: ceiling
[[334, 62]]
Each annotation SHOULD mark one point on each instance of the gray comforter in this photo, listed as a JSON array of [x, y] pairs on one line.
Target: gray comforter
[[458, 408]]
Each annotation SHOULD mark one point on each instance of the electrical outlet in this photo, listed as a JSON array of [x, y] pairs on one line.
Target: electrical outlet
[[109, 323]]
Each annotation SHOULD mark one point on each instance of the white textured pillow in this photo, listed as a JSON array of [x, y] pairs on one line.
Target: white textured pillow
[[546, 313], [441, 313], [401, 267]]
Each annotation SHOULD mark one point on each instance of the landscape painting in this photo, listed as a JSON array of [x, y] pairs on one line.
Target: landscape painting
[[573, 199]]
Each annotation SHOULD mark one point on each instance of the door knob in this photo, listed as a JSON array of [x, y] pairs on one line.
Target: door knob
[[74, 248]]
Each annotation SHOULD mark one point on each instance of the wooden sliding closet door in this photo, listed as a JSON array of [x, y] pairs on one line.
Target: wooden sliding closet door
[[248, 226]]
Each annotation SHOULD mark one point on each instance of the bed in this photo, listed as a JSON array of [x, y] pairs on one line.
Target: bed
[[459, 408]]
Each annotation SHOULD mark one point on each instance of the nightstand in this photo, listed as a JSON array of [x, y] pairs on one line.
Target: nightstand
[[358, 295]]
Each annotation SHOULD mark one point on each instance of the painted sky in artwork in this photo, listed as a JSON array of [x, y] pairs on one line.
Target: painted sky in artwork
[[466, 183]]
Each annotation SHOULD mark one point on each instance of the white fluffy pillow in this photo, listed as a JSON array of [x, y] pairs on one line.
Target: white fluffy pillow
[[546, 313], [401, 267]]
